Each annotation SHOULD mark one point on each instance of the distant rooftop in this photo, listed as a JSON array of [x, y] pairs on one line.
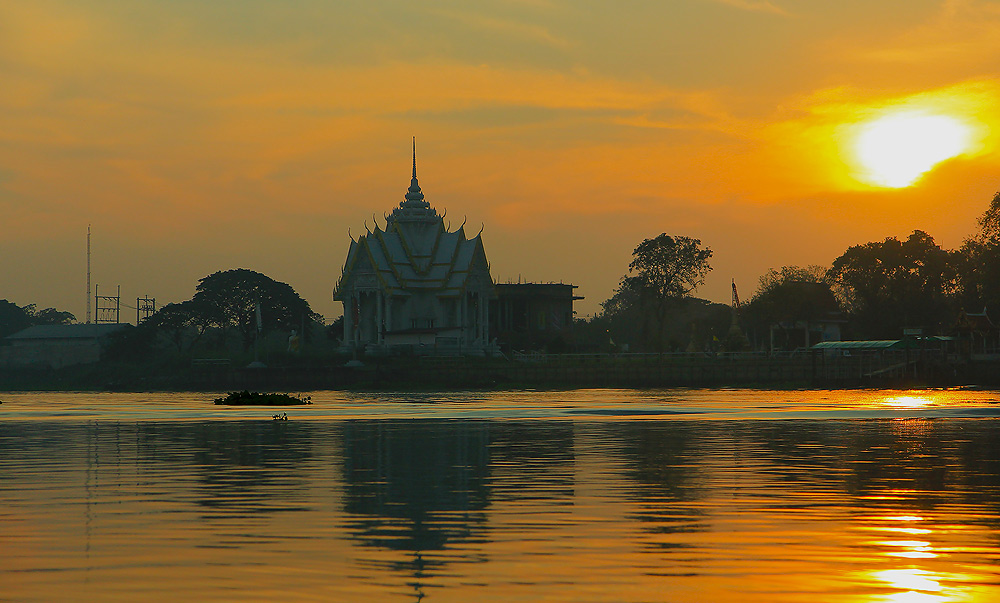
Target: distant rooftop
[[77, 331], [878, 344], [560, 290]]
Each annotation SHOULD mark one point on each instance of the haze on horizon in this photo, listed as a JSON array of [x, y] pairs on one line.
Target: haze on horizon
[[196, 137]]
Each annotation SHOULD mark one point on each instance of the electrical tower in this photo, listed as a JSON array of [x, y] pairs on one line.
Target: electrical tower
[[144, 308], [108, 307]]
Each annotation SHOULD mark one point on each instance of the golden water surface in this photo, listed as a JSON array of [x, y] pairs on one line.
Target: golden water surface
[[596, 495]]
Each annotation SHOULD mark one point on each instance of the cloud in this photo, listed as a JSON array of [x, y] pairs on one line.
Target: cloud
[[759, 6], [962, 32], [507, 27]]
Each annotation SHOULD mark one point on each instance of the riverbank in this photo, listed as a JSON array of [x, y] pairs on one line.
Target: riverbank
[[542, 372]]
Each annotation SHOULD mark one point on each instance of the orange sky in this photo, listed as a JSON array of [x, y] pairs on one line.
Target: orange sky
[[197, 137]]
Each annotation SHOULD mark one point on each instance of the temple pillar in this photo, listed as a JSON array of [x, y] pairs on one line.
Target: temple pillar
[[356, 309], [479, 316], [462, 300], [388, 313], [378, 316], [484, 318], [349, 318]]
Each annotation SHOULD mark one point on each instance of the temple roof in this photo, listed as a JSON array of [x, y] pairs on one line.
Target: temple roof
[[415, 252]]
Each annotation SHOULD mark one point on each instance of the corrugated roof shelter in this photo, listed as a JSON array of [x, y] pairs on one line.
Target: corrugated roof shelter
[[56, 346], [911, 343], [878, 344], [64, 332]]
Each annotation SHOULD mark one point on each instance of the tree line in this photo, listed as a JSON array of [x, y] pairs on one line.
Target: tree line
[[228, 307], [14, 318], [873, 290]]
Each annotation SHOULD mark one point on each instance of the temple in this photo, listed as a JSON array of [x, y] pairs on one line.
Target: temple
[[416, 285]]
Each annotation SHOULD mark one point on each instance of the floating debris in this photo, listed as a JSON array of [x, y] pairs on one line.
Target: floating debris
[[248, 398]]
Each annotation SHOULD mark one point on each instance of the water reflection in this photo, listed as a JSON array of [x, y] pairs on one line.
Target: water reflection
[[424, 487], [843, 511], [913, 586], [416, 487], [664, 466], [909, 401]]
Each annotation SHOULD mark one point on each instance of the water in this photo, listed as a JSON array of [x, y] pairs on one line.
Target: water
[[594, 495]]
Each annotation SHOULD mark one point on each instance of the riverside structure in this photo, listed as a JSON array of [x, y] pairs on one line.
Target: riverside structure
[[416, 284]]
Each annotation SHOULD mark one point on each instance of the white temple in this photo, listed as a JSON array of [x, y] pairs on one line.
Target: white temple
[[416, 285]]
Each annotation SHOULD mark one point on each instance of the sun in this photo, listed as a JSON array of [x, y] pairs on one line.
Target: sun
[[895, 150]]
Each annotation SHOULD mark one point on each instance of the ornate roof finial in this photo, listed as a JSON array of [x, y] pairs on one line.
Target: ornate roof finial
[[414, 198]]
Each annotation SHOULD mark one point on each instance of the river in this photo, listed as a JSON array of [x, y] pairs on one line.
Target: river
[[848, 496]]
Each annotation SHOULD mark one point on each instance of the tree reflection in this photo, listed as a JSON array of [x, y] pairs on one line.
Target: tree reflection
[[533, 461], [664, 460], [244, 468]]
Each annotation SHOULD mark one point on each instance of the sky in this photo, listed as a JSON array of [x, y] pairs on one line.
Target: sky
[[198, 136]]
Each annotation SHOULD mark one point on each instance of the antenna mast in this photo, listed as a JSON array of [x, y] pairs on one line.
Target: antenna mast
[[88, 273]]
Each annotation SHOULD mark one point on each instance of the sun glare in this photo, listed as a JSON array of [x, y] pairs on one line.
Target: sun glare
[[894, 151], [908, 401]]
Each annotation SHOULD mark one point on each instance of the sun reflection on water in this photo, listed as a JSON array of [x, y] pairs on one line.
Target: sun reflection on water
[[908, 401], [911, 580], [914, 584], [918, 586]]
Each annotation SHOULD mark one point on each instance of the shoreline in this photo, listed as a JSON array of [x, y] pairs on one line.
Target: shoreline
[[450, 374]]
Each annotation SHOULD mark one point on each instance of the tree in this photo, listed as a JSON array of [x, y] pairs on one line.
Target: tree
[[50, 316], [790, 296], [893, 284], [178, 321], [978, 264], [621, 317], [230, 298], [989, 222], [13, 318], [664, 271]]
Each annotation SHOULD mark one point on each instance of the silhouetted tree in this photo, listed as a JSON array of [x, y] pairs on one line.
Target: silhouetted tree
[[978, 263], [787, 297], [49, 316], [989, 222], [621, 318], [335, 330], [14, 318], [230, 298], [892, 284], [663, 271], [185, 321]]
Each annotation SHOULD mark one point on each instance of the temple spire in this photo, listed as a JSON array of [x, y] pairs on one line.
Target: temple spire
[[414, 198]]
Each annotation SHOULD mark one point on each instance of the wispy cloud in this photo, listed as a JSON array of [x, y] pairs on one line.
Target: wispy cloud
[[507, 27], [961, 32], [759, 6]]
